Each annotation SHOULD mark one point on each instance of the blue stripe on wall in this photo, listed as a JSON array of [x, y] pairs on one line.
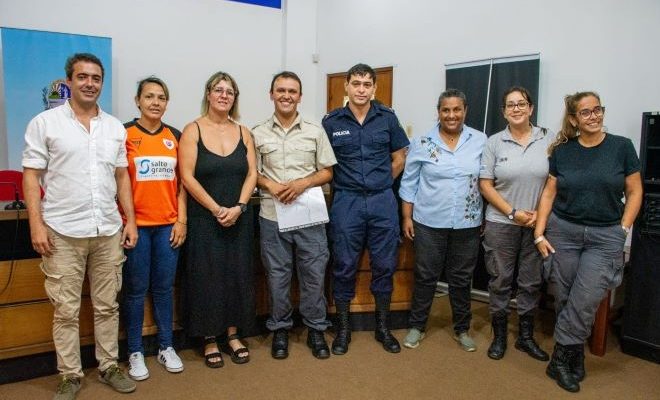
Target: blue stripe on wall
[[265, 3]]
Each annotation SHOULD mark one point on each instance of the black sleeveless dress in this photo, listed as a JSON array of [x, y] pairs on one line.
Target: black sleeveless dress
[[219, 273]]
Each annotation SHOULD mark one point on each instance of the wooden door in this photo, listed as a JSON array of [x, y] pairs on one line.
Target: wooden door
[[337, 94]]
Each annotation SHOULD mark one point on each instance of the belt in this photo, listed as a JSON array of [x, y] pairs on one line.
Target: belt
[[362, 192]]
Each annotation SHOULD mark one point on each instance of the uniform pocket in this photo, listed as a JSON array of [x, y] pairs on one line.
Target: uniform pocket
[[547, 267], [344, 145], [267, 151], [617, 271], [304, 153], [381, 138], [53, 283], [489, 258]]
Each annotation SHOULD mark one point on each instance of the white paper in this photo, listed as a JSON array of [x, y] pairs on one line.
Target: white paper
[[307, 210]]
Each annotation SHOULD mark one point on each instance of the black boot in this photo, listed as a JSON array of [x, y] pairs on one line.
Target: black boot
[[577, 363], [498, 346], [280, 347], [316, 342], [560, 370], [526, 341], [382, 333], [343, 328]]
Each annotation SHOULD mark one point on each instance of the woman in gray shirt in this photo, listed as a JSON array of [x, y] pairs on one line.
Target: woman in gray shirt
[[513, 171]]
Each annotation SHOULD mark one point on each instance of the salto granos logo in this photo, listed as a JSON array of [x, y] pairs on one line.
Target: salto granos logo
[[155, 168], [145, 166]]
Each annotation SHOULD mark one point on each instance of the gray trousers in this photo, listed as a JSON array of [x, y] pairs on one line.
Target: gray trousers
[[588, 260], [507, 247], [310, 247]]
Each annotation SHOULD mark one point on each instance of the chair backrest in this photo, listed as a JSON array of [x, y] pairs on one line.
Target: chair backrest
[[9, 178]]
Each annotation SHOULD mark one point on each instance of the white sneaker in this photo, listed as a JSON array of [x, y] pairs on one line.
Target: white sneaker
[[170, 360], [137, 370]]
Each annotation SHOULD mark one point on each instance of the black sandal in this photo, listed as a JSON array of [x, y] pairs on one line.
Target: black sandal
[[237, 356], [210, 356]]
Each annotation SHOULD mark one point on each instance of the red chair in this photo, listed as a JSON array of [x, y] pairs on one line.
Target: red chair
[[10, 182]]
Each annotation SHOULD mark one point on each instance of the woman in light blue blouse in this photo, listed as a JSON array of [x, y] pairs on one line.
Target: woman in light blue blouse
[[442, 215]]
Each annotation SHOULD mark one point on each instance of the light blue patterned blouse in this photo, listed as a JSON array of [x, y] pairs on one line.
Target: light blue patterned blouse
[[442, 184]]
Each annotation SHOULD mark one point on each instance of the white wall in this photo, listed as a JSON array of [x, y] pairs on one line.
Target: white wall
[[604, 45], [300, 45]]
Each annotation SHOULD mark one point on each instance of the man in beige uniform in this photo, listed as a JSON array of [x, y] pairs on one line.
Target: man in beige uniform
[[293, 155], [77, 151]]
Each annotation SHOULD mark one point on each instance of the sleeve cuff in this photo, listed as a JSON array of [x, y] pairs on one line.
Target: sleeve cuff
[[34, 163]]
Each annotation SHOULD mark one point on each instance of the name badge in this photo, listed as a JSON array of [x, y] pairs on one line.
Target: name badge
[[340, 133]]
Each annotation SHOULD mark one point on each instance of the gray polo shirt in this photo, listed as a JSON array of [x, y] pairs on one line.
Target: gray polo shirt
[[519, 171], [287, 154]]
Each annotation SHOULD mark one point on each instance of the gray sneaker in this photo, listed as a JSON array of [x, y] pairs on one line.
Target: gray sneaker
[[466, 342], [67, 388], [115, 377], [413, 338]]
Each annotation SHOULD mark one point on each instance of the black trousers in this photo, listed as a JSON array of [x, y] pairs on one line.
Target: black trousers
[[454, 251]]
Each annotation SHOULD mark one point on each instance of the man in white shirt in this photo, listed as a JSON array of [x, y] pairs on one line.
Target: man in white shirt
[[77, 152]]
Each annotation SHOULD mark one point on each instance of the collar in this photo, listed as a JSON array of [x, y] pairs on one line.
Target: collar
[[466, 134], [71, 114], [145, 130], [373, 110], [537, 133], [276, 122]]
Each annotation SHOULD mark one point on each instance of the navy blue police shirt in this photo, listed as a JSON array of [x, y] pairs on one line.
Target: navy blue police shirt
[[363, 151]]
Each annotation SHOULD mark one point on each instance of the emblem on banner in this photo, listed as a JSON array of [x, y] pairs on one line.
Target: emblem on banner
[[55, 94]]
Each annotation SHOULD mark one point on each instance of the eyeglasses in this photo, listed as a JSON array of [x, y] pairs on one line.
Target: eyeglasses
[[221, 91], [522, 105], [598, 111]]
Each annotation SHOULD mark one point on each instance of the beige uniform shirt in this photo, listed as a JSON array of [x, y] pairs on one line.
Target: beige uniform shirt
[[287, 154]]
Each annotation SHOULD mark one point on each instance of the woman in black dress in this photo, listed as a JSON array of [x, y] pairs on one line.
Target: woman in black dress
[[218, 169]]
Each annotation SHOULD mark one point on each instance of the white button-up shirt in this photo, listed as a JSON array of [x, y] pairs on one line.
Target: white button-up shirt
[[79, 179]]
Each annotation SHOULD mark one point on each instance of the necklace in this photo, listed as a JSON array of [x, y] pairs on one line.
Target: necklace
[[449, 137]]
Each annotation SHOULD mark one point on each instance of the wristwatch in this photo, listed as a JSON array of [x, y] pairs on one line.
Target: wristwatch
[[243, 207], [512, 214]]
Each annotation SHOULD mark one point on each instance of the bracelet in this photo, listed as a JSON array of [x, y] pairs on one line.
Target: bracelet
[[539, 239], [626, 229], [182, 223]]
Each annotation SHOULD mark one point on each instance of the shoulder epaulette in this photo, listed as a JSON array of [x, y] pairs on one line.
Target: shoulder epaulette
[[310, 122], [259, 124], [383, 107], [332, 113]]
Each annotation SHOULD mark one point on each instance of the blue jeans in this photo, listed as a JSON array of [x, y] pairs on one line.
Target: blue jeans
[[152, 263]]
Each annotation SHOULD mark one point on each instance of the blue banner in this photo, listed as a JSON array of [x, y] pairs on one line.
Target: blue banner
[[265, 3], [34, 78]]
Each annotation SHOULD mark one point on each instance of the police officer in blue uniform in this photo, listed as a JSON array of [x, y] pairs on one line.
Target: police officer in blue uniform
[[370, 147]]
